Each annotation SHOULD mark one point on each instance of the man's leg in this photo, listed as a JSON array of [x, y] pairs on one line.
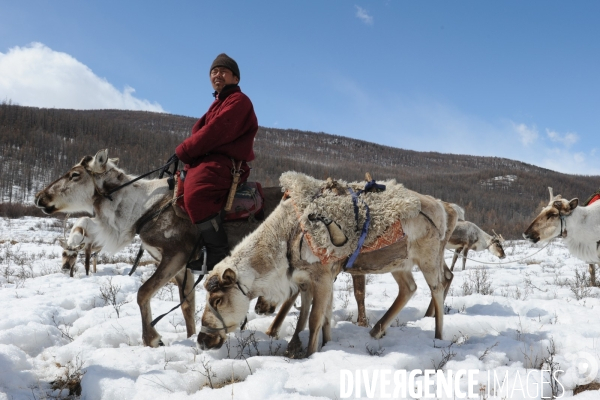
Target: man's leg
[[214, 238]]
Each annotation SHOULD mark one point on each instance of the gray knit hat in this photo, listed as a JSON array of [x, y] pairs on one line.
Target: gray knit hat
[[223, 60]]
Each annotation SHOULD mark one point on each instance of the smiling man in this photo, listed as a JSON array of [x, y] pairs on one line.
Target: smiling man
[[220, 139]]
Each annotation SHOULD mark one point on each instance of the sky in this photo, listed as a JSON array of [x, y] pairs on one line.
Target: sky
[[508, 79]]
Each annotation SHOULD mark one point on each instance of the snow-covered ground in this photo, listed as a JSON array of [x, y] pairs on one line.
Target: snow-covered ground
[[531, 311]]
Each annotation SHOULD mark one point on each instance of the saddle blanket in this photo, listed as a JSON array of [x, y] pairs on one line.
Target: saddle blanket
[[319, 202]]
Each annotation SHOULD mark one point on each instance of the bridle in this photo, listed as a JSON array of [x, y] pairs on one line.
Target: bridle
[[164, 169], [563, 225], [225, 327]]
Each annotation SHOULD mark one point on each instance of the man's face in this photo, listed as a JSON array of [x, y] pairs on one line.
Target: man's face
[[220, 77]]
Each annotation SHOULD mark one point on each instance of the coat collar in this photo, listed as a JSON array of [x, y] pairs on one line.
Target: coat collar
[[227, 90]]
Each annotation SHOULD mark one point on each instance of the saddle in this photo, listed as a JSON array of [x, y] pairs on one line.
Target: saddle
[[326, 212], [248, 203], [594, 197]]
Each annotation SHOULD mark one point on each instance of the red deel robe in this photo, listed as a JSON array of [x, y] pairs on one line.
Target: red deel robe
[[225, 132]]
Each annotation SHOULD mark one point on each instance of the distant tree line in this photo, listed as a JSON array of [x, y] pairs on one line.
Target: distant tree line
[[38, 145]]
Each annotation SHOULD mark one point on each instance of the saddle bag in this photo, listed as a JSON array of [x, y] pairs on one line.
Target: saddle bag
[[248, 203]]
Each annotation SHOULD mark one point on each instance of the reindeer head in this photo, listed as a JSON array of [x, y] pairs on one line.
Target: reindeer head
[[495, 245], [226, 306], [74, 191], [69, 255], [549, 223]]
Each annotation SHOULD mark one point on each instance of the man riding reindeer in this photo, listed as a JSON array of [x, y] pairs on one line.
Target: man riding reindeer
[[220, 145]]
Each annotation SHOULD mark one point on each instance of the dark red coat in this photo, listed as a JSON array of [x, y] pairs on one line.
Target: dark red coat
[[228, 128], [226, 131]]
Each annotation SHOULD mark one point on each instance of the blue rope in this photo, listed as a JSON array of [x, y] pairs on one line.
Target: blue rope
[[365, 227]]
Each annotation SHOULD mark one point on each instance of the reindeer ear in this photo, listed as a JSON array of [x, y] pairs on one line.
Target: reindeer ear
[[100, 160], [62, 242], [229, 277], [81, 246], [574, 203], [115, 161]]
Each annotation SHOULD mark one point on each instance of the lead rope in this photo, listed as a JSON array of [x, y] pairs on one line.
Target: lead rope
[[507, 262]]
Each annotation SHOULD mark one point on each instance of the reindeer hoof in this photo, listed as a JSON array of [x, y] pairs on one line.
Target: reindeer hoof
[[377, 332], [362, 322], [294, 349]]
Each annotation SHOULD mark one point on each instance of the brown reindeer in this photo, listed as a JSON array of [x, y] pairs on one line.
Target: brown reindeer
[[144, 207], [263, 265], [468, 236]]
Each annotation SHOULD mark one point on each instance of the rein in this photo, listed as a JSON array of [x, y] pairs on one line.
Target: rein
[[163, 169]]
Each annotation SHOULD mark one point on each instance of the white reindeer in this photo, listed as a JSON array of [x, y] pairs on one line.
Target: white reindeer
[[468, 236], [263, 264], [578, 226], [83, 235]]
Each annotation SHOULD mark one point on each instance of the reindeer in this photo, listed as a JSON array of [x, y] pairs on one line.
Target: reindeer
[[578, 226], [468, 236], [83, 236], [145, 207], [263, 264]]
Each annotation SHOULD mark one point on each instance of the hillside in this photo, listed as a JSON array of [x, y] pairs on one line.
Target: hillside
[[39, 145]]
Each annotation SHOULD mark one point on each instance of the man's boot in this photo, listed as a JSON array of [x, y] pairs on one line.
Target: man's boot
[[214, 238]]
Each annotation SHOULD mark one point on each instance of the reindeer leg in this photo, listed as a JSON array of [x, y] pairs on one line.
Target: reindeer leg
[[448, 277], [466, 251], [328, 319], [295, 345], [95, 262], [592, 268], [456, 253], [406, 288], [88, 253], [273, 330], [188, 308], [359, 283], [321, 288], [169, 266], [438, 282]]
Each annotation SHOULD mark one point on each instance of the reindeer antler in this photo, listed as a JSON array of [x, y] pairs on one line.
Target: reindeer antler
[[551, 194], [497, 236]]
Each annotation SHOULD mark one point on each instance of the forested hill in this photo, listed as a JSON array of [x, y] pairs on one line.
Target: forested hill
[[39, 145]]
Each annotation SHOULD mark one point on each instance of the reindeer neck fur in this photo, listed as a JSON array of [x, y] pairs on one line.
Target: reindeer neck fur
[[261, 260], [117, 218], [484, 241], [583, 233]]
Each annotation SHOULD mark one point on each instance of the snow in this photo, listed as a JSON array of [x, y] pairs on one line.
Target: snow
[[53, 326]]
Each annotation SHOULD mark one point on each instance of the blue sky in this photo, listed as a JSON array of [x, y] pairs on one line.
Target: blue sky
[[515, 79]]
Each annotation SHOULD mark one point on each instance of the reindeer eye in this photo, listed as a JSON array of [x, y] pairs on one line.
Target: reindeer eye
[[217, 302], [74, 175]]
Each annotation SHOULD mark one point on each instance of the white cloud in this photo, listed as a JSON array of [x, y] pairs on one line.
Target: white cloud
[[38, 76], [363, 15], [527, 134], [568, 139], [425, 124]]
